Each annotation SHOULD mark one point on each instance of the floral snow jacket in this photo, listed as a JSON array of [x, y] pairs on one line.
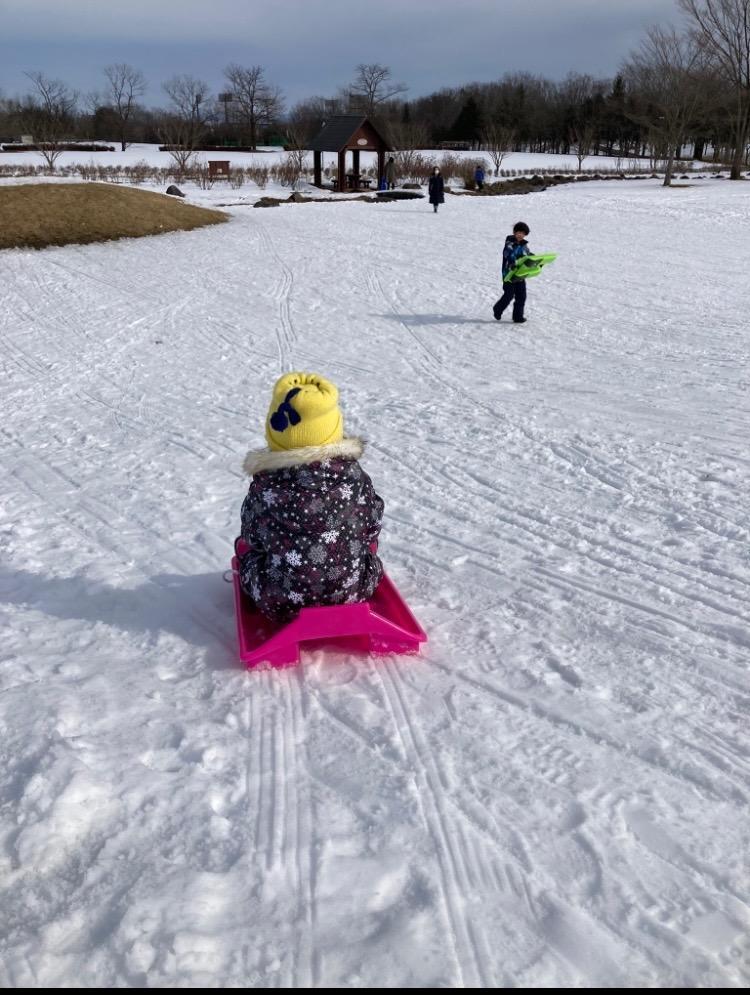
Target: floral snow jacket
[[512, 253], [309, 518]]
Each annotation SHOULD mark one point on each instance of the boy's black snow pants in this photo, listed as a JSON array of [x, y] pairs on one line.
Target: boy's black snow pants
[[516, 292]]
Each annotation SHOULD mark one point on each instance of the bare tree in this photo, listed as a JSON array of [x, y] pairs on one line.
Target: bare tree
[[124, 86], [497, 141], [408, 135], [295, 137], [413, 165], [667, 72], [583, 136], [178, 137], [372, 86], [49, 115], [5, 113], [256, 103], [306, 118], [182, 130], [406, 138], [93, 100], [722, 27], [579, 102], [191, 104]]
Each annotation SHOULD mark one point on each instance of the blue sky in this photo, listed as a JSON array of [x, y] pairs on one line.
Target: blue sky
[[311, 47]]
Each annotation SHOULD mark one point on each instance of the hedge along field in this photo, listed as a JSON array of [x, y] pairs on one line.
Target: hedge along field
[[39, 215]]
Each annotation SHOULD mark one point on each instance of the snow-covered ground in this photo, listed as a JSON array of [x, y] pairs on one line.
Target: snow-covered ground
[[555, 794]]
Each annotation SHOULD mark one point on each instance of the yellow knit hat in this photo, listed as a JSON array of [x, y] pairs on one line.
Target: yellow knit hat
[[304, 412]]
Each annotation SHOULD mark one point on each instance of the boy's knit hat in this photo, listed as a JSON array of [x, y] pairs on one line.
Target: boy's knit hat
[[304, 412]]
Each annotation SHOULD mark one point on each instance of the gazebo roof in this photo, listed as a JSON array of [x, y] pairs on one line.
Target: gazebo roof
[[338, 132]]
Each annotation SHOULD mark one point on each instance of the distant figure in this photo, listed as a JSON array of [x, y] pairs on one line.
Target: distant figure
[[390, 174], [479, 177], [515, 290], [436, 189]]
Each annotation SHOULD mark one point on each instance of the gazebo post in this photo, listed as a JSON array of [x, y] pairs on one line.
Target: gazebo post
[[381, 166], [355, 167], [318, 169], [342, 170]]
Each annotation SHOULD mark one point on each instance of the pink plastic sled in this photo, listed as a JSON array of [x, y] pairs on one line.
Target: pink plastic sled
[[381, 625]]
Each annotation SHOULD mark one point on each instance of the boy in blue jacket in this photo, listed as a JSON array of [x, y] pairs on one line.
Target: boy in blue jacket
[[515, 290]]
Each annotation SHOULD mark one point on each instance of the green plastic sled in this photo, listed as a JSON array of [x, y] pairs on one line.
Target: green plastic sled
[[528, 266]]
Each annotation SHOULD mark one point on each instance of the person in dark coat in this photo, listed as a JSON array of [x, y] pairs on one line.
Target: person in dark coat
[[436, 189], [311, 518], [515, 290], [390, 174], [479, 176]]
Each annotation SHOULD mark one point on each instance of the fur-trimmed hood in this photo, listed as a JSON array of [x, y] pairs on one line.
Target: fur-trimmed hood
[[260, 460]]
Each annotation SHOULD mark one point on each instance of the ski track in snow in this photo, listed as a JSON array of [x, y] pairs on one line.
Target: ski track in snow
[[555, 794]]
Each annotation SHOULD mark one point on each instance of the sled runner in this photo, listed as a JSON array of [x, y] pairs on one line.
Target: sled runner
[[528, 266], [384, 624]]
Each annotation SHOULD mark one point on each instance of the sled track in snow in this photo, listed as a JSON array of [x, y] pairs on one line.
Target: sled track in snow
[[605, 552], [677, 589], [432, 365], [279, 807], [470, 953], [429, 361], [286, 335], [307, 974]]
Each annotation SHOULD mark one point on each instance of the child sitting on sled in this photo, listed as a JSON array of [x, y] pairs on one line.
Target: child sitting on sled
[[311, 518]]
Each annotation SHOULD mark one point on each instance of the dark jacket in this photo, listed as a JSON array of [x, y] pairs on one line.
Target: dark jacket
[[436, 188], [479, 174], [512, 252], [309, 518]]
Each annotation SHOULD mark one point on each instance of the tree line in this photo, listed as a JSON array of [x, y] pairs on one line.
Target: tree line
[[686, 89]]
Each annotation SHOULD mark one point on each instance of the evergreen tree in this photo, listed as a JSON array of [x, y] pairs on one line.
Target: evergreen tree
[[468, 125]]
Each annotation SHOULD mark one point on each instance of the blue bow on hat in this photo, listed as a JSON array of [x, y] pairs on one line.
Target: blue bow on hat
[[285, 414]]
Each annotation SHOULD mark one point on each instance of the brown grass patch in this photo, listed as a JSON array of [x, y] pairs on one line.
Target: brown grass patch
[[36, 215]]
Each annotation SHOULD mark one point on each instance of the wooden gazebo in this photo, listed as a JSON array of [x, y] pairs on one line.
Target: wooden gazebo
[[348, 133]]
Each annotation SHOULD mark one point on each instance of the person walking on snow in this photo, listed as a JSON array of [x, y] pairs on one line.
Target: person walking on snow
[[479, 176], [436, 189], [515, 290], [311, 518]]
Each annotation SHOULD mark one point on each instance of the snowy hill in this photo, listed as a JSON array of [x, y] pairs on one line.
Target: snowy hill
[[555, 794]]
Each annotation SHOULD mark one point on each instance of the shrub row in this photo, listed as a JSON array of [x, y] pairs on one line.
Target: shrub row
[[67, 147], [413, 167]]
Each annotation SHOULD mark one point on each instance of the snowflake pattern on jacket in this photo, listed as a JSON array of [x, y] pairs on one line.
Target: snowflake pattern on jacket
[[309, 517]]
